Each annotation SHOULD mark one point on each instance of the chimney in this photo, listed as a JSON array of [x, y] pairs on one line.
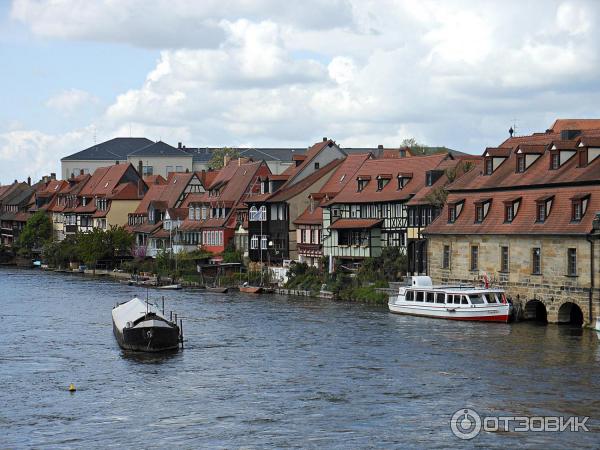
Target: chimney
[[324, 138], [53, 176], [179, 145], [511, 131], [28, 181], [116, 163], [140, 167], [380, 146], [80, 171]]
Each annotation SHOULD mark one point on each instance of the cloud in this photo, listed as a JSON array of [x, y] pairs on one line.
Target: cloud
[[363, 72], [71, 100]]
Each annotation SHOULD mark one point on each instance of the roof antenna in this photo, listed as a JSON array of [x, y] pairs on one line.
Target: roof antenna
[[513, 129]]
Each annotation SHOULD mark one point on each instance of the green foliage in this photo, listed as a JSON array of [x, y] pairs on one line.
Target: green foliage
[[35, 234], [301, 276], [232, 256], [437, 196], [218, 157], [61, 253], [364, 294]]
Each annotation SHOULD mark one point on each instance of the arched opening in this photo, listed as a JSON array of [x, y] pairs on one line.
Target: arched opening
[[570, 313], [535, 311]]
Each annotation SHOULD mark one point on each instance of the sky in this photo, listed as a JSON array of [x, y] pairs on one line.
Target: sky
[[271, 73]]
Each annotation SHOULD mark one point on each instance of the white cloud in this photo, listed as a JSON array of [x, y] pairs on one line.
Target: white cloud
[[71, 100], [363, 72]]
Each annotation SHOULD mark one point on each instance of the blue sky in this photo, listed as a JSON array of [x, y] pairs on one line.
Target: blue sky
[[262, 73]]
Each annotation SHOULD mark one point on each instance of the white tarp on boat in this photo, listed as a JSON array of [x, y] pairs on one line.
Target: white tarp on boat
[[131, 311]]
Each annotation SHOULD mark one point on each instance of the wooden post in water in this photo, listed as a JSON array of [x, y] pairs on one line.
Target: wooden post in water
[[171, 316], [181, 331], [163, 305]]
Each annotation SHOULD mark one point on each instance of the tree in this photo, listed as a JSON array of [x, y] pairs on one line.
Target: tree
[[93, 247], [61, 253], [437, 196], [414, 146], [119, 242], [36, 232], [217, 160]]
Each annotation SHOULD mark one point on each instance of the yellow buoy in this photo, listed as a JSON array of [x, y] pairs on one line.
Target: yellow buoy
[[72, 388]]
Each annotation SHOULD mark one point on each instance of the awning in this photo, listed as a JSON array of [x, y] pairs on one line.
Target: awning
[[355, 223]]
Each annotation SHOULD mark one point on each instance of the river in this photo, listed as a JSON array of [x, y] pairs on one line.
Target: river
[[274, 371]]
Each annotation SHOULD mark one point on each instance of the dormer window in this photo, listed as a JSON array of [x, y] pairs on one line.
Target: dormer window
[[482, 207], [454, 210], [543, 207], [579, 205], [554, 160], [362, 182], [520, 163], [404, 179], [382, 181], [511, 207], [489, 166]]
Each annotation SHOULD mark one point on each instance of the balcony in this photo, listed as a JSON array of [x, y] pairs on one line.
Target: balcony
[[310, 249]]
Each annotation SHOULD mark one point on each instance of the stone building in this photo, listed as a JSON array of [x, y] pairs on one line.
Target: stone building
[[527, 221]]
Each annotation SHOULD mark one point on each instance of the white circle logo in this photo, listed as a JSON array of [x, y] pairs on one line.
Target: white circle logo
[[465, 423]]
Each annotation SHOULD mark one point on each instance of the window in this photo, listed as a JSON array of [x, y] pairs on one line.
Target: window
[[509, 212], [197, 213], [439, 298], [489, 166], [430, 297], [446, 257], [541, 212], [536, 261], [147, 170], [451, 213], [476, 299], [362, 183], [191, 215], [456, 299], [402, 181], [179, 169], [520, 163], [169, 170], [204, 213], [572, 262], [464, 300], [317, 165], [474, 257], [504, 259], [382, 182], [479, 213], [420, 296], [554, 160], [263, 243], [254, 242], [409, 296]]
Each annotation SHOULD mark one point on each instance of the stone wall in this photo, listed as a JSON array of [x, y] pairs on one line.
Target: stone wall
[[553, 287]]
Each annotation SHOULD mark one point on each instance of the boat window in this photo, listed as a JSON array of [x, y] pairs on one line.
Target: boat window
[[491, 298], [476, 299], [464, 300], [456, 299], [420, 296], [409, 296], [439, 298], [430, 297]]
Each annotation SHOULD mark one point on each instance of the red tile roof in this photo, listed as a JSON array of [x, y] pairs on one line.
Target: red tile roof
[[154, 179], [104, 180], [355, 223], [575, 124], [418, 165], [289, 191], [310, 217], [558, 221]]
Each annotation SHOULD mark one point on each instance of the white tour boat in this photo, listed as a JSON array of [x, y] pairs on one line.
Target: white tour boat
[[459, 302]]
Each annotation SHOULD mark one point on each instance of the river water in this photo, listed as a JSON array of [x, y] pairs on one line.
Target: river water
[[273, 371]]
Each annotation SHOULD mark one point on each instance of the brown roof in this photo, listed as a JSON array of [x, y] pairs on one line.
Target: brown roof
[[557, 222], [345, 172], [355, 223], [538, 173], [575, 124], [418, 165], [531, 149], [310, 217], [286, 192], [104, 180], [312, 151], [178, 213], [168, 193], [154, 179]]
